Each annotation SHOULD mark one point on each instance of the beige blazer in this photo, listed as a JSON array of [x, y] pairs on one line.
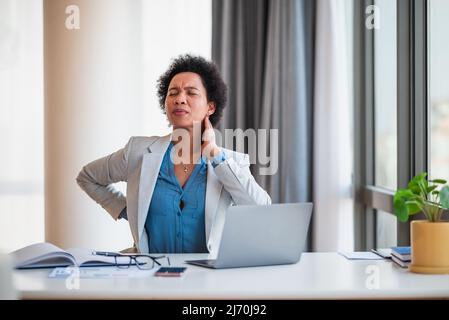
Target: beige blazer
[[138, 164]]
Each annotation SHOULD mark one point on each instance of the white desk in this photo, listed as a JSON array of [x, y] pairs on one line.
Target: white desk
[[316, 276]]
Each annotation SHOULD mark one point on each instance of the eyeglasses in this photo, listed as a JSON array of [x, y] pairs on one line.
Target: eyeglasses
[[142, 261]]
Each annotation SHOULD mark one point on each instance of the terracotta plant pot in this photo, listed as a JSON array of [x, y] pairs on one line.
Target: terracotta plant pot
[[430, 247]]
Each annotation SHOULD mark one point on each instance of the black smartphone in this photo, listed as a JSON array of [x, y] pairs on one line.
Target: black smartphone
[[170, 271]]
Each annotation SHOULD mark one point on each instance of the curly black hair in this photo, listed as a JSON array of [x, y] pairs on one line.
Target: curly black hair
[[210, 76]]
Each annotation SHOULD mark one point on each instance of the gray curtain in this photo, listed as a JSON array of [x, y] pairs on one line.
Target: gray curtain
[[264, 49]]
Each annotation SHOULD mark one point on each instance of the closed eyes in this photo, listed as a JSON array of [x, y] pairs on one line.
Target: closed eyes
[[190, 93]]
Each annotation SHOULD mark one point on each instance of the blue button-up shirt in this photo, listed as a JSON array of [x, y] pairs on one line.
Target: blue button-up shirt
[[175, 220]]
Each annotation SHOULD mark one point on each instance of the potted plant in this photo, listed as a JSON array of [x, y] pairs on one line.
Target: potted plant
[[429, 238]]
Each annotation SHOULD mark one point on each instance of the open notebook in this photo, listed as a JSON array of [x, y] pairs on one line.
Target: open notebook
[[47, 255]]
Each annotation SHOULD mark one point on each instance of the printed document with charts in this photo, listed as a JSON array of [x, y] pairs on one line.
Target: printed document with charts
[[47, 255]]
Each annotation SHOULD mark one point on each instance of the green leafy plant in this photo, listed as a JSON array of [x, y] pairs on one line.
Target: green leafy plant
[[430, 197]]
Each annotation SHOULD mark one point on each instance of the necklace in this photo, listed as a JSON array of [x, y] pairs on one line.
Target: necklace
[[185, 168]]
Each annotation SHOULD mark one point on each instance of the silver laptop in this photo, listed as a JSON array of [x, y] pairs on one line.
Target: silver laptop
[[261, 236]]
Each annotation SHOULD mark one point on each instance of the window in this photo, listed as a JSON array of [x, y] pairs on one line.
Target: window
[[385, 120], [385, 116], [386, 232], [391, 118], [438, 52], [21, 124]]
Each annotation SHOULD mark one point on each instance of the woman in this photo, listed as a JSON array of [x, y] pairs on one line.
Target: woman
[[177, 194]]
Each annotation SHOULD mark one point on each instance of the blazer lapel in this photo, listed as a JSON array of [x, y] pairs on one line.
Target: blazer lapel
[[213, 191], [151, 164]]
